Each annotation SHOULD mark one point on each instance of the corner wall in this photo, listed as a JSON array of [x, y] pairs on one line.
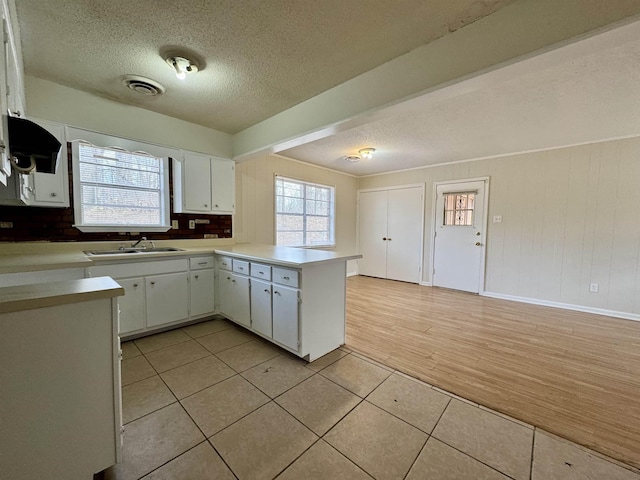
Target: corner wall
[[255, 210], [570, 218]]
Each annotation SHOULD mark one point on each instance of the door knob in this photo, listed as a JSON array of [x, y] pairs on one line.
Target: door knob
[[478, 244]]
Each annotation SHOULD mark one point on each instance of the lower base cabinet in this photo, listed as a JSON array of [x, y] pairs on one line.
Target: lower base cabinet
[[201, 292], [131, 305], [167, 298], [285, 316], [235, 298], [261, 317]]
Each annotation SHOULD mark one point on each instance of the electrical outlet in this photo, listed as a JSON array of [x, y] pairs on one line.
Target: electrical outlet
[[594, 287], [175, 225], [6, 224], [192, 224], [497, 219], [210, 235]]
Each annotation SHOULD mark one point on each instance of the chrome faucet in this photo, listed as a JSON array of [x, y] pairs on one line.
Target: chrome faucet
[[135, 244]]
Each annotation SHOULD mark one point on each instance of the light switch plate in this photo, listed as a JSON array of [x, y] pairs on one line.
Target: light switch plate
[[192, 224]]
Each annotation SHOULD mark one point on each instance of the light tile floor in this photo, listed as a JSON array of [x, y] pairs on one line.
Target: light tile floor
[[213, 401]]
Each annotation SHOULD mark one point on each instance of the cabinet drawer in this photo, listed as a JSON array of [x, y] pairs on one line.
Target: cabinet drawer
[[224, 263], [285, 276], [197, 263], [240, 266], [135, 269], [259, 270]]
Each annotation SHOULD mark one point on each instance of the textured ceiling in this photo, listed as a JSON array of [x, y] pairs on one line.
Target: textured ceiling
[[584, 98], [261, 56]]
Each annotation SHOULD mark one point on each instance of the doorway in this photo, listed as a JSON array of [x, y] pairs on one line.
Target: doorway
[[459, 234]]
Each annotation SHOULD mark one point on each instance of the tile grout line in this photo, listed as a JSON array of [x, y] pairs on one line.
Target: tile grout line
[[533, 447]]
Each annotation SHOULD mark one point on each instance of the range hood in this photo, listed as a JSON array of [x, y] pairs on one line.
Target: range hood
[[32, 147]]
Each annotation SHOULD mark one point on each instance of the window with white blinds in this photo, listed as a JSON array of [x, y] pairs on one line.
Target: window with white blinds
[[305, 213], [118, 190]]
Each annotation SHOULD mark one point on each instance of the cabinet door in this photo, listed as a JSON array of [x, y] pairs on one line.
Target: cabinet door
[[196, 185], [202, 292], [5, 166], [223, 181], [241, 301], [167, 298], [52, 190], [285, 316], [261, 307], [225, 294], [131, 305]]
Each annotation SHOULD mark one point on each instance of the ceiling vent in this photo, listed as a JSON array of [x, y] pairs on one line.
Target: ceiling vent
[[142, 85]]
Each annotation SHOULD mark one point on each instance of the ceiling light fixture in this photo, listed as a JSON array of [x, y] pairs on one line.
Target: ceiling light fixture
[[352, 158], [367, 152], [181, 65]]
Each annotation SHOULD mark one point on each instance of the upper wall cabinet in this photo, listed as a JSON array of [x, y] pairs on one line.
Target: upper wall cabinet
[[52, 190], [203, 184]]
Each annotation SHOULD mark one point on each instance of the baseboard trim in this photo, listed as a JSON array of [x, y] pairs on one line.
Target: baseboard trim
[[425, 284], [352, 274], [565, 306]]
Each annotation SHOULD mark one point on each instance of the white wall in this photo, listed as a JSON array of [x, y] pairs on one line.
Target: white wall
[[570, 218], [51, 101], [255, 216]]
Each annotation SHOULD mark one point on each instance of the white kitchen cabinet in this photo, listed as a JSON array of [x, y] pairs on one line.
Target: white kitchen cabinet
[[167, 298], [60, 377], [203, 184], [223, 186], [285, 316], [161, 297], [52, 189], [240, 298], [132, 305], [202, 288], [18, 190], [261, 318], [5, 166]]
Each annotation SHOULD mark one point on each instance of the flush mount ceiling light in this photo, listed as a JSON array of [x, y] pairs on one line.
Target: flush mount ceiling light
[[352, 158], [367, 153], [181, 65]]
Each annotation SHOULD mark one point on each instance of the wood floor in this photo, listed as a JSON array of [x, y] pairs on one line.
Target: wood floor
[[573, 374]]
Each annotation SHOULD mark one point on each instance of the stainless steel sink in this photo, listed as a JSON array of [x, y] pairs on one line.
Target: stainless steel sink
[[124, 251]]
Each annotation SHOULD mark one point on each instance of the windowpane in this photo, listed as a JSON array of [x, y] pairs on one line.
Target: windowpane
[[458, 208], [119, 188], [304, 213]]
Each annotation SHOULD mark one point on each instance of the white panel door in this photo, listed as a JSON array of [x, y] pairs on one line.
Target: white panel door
[[223, 182], [201, 291], [261, 307], [285, 316], [241, 300], [373, 234], [197, 183], [167, 298], [131, 305], [404, 234], [459, 249]]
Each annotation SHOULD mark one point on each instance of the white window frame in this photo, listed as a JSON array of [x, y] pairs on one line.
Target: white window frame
[[77, 135], [332, 214]]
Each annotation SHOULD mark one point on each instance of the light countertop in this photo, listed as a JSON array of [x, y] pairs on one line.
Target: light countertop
[[40, 295], [286, 256]]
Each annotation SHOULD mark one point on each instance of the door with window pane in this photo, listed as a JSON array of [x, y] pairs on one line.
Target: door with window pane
[[459, 236]]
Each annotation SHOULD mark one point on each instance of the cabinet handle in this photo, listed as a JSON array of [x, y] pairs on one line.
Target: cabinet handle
[[202, 263], [384, 238], [196, 277], [207, 206], [240, 268], [261, 273], [266, 290], [228, 278], [285, 278], [216, 205], [54, 194], [152, 283], [275, 292], [233, 281], [135, 285], [389, 238]]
